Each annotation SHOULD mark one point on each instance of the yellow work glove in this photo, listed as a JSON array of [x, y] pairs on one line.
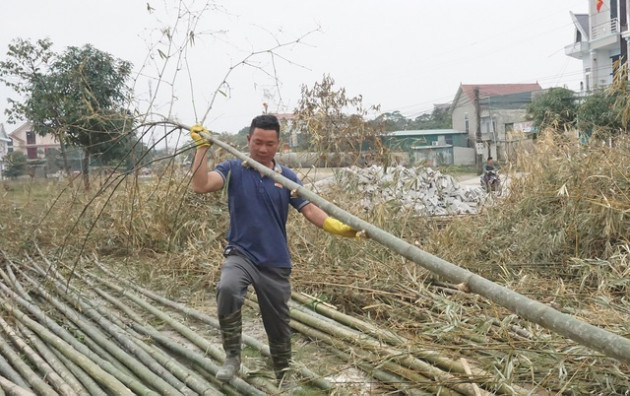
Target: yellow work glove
[[334, 226], [199, 140]]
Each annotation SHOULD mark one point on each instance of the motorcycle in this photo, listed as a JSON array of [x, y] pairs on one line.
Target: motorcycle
[[490, 181]]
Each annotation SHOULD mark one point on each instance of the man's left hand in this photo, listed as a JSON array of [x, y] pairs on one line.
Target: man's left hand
[[195, 135], [334, 226]]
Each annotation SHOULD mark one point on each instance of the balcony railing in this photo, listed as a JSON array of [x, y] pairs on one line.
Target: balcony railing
[[605, 29]]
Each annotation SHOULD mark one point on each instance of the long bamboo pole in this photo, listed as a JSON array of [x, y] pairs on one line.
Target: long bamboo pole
[[193, 337], [395, 340], [241, 386], [31, 377], [92, 387], [404, 380], [102, 370], [104, 340], [79, 358], [14, 389], [9, 372], [59, 385], [53, 360], [365, 341], [247, 339], [156, 374], [581, 332]]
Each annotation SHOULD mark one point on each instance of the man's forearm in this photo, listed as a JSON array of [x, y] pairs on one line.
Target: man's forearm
[[200, 170]]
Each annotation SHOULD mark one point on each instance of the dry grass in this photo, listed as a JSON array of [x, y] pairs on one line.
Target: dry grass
[[559, 237]]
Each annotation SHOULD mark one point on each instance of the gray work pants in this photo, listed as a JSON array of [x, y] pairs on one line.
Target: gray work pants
[[272, 287]]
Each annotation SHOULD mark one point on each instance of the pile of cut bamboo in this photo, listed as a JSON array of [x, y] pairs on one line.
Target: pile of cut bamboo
[[90, 332]]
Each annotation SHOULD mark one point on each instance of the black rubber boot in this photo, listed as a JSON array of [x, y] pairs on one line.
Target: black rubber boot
[[231, 335], [281, 359]]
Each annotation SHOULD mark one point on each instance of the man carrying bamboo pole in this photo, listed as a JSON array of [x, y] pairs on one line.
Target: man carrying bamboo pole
[[257, 252]]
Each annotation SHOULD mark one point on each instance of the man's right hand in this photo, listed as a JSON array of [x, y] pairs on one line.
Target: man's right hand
[[195, 135]]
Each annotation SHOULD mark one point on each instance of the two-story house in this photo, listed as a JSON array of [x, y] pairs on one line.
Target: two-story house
[[34, 146], [601, 39], [489, 112]]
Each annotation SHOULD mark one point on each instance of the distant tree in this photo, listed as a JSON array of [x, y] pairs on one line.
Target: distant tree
[[620, 91], [15, 164], [556, 108], [25, 66], [439, 118], [335, 124], [53, 163], [599, 116], [78, 96], [393, 121]]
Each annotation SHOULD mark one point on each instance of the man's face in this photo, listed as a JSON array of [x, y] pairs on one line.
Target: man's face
[[263, 144]]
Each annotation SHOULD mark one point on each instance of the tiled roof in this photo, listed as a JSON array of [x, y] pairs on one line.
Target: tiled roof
[[490, 90]]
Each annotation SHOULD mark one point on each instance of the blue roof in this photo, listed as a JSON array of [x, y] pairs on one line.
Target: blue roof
[[425, 132]]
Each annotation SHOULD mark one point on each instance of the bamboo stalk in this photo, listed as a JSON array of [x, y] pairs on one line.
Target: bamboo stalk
[[372, 364], [14, 389], [207, 364], [39, 362], [402, 357], [392, 339], [186, 376], [189, 377], [73, 349], [92, 387], [143, 364], [31, 377], [93, 346], [53, 360], [608, 343], [99, 351], [7, 370], [193, 337], [10, 278], [250, 341]]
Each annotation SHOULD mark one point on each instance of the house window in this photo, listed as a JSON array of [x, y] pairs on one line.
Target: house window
[[30, 137], [509, 127], [449, 139], [31, 152]]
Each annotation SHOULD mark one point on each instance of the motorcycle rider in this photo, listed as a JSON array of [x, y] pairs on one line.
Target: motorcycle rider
[[489, 170]]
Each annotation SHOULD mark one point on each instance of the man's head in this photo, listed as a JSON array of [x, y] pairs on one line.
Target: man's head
[[267, 122], [264, 139], [490, 160]]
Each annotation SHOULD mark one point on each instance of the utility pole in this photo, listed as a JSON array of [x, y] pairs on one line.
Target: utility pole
[[478, 143]]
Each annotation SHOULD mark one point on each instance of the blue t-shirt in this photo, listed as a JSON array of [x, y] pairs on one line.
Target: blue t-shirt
[[259, 208]]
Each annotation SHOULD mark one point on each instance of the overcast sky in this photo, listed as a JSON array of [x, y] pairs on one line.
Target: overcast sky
[[402, 55]]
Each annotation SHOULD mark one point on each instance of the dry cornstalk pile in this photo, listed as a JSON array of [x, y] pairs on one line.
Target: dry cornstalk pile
[[560, 237]]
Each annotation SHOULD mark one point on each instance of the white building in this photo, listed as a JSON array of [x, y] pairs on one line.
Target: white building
[[601, 39], [5, 147]]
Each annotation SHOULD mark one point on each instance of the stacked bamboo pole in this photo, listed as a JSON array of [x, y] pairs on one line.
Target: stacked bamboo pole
[[105, 350], [252, 342]]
